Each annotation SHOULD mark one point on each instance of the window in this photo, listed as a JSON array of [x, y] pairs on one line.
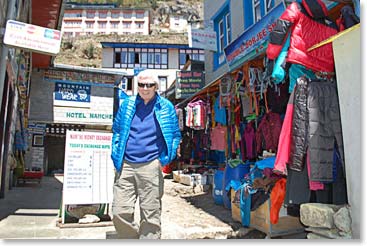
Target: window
[[141, 57], [222, 26], [127, 15], [90, 15], [72, 15], [139, 24], [118, 57], [221, 35], [257, 10], [162, 83], [102, 25], [139, 15], [115, 15], [89, 24], [102, 15], [37, 140], [228, 26], [189, 54], [114, 25], [126, 24]]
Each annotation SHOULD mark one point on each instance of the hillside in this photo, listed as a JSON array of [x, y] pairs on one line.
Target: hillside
[[86, 51]]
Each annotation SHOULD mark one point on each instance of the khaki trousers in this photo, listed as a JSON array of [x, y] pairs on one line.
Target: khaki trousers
[[143, 181]]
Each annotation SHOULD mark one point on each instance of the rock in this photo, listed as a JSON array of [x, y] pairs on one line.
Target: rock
[[79, 211], [328, 233], [345, 235], [315, 236], [342, 220], [318, 214], [89, 218]]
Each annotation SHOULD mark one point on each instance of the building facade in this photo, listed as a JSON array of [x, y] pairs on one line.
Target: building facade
[[88, 19], [242, 29], [164, 60]]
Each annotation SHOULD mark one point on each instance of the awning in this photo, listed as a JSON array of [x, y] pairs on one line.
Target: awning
[[45, 13]]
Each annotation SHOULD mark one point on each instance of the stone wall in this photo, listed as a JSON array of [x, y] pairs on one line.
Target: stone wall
[[326, 221]]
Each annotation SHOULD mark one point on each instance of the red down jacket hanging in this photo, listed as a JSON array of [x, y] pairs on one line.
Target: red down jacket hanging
[[308, 25]]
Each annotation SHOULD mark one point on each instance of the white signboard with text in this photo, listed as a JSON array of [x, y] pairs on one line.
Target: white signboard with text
[[203, 39], [32, 37], [88, 168]]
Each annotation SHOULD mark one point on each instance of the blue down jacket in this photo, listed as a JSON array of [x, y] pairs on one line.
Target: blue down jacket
[[166, 117]]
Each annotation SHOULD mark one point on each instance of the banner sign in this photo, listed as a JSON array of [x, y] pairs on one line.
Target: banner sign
[[188, 83], [31, 37], [72, 92], [203, 39], [254, 40]]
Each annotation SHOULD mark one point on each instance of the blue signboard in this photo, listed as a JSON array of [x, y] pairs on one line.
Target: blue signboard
[[254, 40], [72, 92]]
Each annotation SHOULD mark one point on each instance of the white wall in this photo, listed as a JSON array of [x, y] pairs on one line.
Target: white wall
[[107, 57], [211, 7], [173, 58], [347, 55]]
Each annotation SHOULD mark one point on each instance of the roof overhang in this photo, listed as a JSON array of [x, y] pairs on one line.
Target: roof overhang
[[45, 13], [144, 45]]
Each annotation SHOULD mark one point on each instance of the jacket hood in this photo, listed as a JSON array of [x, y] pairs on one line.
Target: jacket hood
[[315, 8]]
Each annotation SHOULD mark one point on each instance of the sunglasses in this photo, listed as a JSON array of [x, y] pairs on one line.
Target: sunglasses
[[148, 85]]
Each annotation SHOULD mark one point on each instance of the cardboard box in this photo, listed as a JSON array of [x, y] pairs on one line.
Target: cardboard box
[[287, 225], [260, 219], [235, 207]]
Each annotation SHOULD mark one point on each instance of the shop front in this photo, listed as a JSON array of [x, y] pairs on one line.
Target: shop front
[[234, 132]]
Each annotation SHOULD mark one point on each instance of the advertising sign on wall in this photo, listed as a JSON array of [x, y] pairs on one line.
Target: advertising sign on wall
[[32, 37], [74, 94], [88, 168], [188, 83], [254, 40], [203, 39]]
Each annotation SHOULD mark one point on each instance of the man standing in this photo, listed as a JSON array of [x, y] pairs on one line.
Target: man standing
[[146, 136]]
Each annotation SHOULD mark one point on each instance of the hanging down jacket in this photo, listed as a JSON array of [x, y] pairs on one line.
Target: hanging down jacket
[[308, 26], [167, 119]]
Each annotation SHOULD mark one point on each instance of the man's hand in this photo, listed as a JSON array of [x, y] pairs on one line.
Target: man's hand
[[178, 152]]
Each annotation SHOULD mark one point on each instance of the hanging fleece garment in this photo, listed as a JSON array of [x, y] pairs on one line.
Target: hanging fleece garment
[[218, 138], [219, 112], [199, 115], [268, 132], [179, 113], [249, 140], [189, 116]]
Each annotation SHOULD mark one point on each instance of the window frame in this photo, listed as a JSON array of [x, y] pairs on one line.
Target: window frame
[[141, 57], [224, 35]]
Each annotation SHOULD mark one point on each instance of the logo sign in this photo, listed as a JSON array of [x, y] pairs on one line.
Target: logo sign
[[254, 40], [72, 92], [203, 39], [188, 83], [31, 37]]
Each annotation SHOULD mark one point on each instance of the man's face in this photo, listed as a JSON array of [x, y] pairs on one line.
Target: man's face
[[146, 88]]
